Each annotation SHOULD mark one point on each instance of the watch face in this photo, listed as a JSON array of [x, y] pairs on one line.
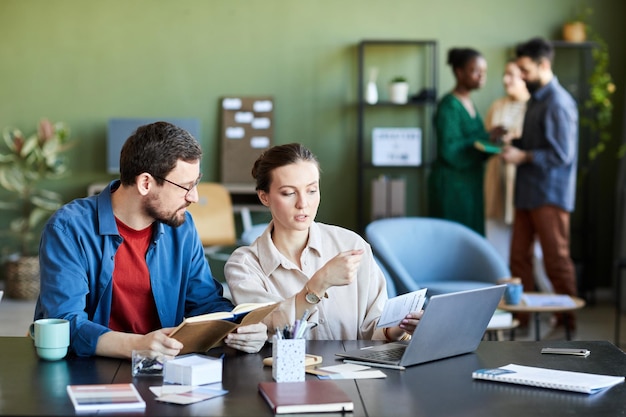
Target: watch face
[[311, 298]]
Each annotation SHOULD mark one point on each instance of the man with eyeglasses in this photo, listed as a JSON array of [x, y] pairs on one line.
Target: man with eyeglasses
[[127, 265]]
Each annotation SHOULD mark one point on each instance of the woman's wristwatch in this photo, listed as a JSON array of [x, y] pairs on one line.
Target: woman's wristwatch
[[311, 297]]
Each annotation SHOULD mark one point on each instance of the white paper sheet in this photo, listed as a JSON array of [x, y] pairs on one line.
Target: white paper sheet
[[397, 308]]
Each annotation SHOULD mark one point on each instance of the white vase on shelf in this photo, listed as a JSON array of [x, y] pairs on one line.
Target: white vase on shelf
[[371, 93], [371, 90]]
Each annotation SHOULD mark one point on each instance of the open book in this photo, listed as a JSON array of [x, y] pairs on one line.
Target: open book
[[200, 333], [549, 378]]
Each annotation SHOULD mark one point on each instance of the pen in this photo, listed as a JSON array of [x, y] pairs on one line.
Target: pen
[[296, 328], [302, 328], [305, 315]]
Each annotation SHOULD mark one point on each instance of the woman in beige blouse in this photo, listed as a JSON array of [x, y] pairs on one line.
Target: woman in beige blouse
[[324, 272], [507, 111]]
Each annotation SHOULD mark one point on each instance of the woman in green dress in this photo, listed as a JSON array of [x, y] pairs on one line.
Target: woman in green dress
[[456, 180]]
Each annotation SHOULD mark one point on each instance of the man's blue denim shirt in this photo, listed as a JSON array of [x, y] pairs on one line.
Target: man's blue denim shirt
[[77, 256], [551, 134]]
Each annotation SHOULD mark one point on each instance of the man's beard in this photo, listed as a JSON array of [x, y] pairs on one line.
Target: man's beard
[[174, 219], [532, 86]]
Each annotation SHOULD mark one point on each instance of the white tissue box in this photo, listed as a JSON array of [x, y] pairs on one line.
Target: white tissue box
[[193, 369]]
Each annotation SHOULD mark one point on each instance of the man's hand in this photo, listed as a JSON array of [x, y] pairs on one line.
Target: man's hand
[[121, 345], [249, 338], [515, 156]]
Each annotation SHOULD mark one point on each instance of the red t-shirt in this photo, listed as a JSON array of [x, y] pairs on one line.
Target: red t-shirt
[[133, 309]]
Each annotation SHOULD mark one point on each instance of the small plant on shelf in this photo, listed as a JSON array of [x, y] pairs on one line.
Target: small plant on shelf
[[398, 79], [399, 90]]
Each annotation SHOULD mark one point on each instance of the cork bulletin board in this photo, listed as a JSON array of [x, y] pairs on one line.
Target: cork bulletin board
[[246, 131]]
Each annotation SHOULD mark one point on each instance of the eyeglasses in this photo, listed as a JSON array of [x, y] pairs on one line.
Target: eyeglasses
[[194, 185]]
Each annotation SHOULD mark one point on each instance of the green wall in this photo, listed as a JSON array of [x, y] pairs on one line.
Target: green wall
[[84, 61]]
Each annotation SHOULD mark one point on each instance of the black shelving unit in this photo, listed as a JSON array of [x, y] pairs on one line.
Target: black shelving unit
[[417, 61]]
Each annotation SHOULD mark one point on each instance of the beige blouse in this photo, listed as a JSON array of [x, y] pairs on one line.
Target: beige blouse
[[500, 177], [260, 273]]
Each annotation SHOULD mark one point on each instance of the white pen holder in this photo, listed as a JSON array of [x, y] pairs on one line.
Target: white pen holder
[[288, 357]]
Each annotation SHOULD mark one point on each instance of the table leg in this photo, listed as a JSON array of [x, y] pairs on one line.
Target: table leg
[[568, 336], [618, 299], [537, 332]]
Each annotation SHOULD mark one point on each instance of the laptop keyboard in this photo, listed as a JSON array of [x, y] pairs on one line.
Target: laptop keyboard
[[391, 355]]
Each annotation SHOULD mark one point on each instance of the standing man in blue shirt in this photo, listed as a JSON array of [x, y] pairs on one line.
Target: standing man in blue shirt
[[545, 185], [127, 265]]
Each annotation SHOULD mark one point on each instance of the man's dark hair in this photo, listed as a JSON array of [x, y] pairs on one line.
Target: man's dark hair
[[156, 148], [535, 49]]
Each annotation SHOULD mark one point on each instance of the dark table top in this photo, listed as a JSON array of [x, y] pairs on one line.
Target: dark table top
[[29, 386]]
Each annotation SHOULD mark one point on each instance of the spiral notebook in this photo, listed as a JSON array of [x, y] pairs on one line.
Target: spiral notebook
[[549, 378]]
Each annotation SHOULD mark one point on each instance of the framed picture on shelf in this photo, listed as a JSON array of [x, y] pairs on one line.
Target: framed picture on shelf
[[397, 146]]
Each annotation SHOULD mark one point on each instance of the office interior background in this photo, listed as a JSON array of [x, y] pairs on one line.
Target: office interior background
[[86, 62]]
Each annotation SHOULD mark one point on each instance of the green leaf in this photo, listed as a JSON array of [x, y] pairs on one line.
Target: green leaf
[[30, 145], [37, 216], [47, 204]]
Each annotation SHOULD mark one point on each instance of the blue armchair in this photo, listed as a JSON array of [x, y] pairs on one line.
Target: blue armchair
[[391, 286], [440, 255]]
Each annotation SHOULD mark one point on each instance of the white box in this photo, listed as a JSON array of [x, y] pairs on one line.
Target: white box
[[193, 369]]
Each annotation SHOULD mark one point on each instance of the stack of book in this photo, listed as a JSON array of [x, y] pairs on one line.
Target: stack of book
[[109, 397]]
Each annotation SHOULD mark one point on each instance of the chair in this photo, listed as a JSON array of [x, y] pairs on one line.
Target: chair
[[440, 255], [249, 235], [391, 286], [214, 217]]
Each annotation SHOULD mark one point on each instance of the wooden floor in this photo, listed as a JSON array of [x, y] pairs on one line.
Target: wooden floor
[[595, 321]]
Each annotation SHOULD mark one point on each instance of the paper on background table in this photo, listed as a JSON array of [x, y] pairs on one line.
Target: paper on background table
[[397, 308], [548, 300]]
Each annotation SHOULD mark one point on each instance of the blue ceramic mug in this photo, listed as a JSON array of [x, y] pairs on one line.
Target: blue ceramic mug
[[51, 337], [513, 292]]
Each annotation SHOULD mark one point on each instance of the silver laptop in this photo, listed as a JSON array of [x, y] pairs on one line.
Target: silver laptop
[[452, 324]]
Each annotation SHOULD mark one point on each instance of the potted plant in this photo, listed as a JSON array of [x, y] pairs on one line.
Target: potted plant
[[25, 162], [575, 30], [399, 90]]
